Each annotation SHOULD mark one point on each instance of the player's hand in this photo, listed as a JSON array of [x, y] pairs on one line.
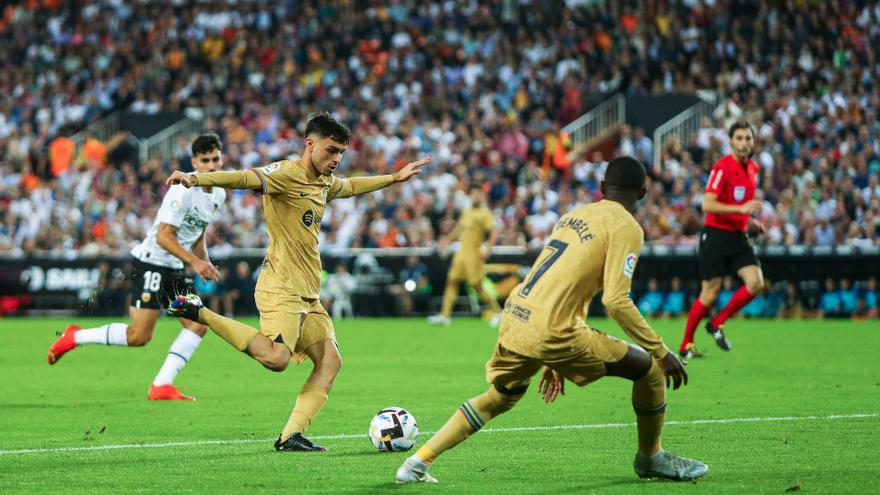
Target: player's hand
[[206, 270], [674, 370], [755, 228], [751, 206], [551, 386], [178, 177], [410, 169]]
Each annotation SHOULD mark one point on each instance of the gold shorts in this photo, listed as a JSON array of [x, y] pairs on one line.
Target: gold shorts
[[300, 322], [467, 267], [509, 369]]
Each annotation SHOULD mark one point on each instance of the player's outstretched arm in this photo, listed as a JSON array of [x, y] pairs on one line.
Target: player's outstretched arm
[[227, 179], [411, 169], [355, 186]]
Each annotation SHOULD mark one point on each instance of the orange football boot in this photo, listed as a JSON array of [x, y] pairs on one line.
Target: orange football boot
[[167, 392], [64, 344]]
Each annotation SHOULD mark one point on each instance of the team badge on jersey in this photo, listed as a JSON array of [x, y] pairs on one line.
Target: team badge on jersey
[[629, 265], [739, 192]]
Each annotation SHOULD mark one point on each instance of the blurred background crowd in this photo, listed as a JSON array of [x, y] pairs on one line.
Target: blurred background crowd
[[483, 87]]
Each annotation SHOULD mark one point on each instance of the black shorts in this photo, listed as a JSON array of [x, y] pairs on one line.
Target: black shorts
[[156, 286], [724, 252]]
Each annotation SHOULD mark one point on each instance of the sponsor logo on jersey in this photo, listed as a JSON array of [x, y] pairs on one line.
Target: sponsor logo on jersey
[[268, 169], [739, 192], [308, 218], [629, 265]]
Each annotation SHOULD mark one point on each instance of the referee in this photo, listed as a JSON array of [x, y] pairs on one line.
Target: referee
[[724, 244]]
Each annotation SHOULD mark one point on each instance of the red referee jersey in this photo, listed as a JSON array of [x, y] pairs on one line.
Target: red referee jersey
[[735, 185]]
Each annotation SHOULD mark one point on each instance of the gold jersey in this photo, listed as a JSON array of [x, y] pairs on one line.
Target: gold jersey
[[592, 248], [474, 225], [293, 202]]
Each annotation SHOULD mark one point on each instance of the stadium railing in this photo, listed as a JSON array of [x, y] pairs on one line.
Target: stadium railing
[[102, 130], [596, 124], [681, 126], [161, 145]]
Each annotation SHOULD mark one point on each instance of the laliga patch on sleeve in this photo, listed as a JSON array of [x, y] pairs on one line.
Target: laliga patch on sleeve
[[175, 204], [268, 169], [629, 265]]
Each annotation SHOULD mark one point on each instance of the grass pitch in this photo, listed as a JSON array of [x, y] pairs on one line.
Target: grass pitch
[[794, 407]]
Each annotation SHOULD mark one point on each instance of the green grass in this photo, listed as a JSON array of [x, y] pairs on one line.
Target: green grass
[[97, 396]]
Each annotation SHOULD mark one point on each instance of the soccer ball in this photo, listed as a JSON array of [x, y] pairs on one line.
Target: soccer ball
[[393, 429]]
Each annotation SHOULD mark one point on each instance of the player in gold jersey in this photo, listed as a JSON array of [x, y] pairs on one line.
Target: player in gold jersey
[[293, 324], [475, 225], [592, 248]]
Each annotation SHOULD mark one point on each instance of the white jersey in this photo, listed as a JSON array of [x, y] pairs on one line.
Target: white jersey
[[190, 211]]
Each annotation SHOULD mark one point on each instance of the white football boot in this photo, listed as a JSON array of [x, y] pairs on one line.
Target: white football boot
[[413, 470]]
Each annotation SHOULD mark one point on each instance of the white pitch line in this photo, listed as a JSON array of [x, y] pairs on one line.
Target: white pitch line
[[487, 430]]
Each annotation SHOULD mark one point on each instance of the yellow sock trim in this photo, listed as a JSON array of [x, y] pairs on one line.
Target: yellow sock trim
[[426, 454], [309, 402]]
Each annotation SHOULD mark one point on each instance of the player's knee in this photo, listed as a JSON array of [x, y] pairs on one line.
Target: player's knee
[[634, 365], [502, 399], [275, 362], [756, 285]]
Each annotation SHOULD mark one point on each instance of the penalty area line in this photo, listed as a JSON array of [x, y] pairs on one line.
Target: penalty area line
[[778, 419]]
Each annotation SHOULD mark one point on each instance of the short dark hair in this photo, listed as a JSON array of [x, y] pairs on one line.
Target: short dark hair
[[206, 143], [625, 173], [740, 124], [325, 126]]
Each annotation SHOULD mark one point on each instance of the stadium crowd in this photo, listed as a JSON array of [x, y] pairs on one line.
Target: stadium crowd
[[483, 87]]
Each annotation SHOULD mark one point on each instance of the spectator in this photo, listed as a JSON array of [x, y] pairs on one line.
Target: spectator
[[651, 302], [238, 291], [870, 297], [673, 306], [848, 298], [791, 303], [413, 286], [829, 303], [340, 285]]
